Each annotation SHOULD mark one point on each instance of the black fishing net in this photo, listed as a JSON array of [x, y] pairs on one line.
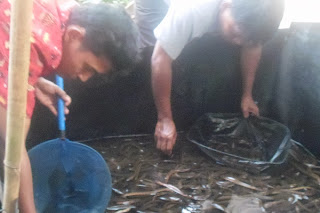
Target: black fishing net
[[254, 144]]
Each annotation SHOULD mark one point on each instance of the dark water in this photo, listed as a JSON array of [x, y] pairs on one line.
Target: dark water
[[144, 180]]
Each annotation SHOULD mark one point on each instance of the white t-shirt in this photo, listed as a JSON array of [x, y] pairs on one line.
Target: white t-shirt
[[186, 20], [148, 15]]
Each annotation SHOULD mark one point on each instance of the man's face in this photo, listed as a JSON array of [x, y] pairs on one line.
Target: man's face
[[229, 29], [79, 62]]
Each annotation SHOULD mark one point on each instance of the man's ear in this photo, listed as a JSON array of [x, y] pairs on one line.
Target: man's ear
[[74, 32]]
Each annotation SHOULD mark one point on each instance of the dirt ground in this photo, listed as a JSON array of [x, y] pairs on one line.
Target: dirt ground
[[144, 180]]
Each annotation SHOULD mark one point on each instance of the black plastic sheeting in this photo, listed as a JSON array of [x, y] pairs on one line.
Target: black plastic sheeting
[[206, 78], [297, 88], [254, 144]]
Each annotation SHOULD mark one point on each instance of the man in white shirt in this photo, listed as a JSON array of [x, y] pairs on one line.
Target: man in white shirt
[[148, 14], [246, 23]]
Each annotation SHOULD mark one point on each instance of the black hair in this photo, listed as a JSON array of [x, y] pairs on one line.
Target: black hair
[[110, 32], [258, 20]]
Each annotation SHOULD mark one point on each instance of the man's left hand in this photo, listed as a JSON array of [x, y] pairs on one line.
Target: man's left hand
[[48, 92], [248, 107]]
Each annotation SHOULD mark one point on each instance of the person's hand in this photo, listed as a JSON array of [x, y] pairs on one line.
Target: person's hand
[[248, 107], [47, 93], [165, 135]]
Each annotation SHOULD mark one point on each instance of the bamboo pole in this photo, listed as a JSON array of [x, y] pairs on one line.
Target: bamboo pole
[[19, 59]]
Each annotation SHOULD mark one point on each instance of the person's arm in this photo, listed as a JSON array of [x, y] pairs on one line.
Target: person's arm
[[250, 58], [26, 200], [165, 132]]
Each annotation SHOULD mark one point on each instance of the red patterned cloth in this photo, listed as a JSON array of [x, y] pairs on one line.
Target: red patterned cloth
[[48, 23]]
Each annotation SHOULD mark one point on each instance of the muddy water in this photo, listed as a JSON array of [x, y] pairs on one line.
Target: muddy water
[[144, 180]]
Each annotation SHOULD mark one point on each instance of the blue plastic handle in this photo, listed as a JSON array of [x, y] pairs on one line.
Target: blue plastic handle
[[61, 116]]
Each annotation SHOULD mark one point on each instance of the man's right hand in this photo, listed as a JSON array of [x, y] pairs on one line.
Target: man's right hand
[[165, 135], [47, 93]]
